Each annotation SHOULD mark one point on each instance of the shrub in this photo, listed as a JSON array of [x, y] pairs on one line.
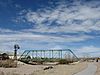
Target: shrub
[[24, 60], [63, 61], [7, 63]]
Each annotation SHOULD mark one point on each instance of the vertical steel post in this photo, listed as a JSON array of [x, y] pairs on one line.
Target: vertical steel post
[[52, 53], [41, 53], [32, 54], [61, 54], [49, 54], [36, 53], [44, 53]]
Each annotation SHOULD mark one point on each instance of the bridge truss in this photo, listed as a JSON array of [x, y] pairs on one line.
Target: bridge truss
[[59, 54]]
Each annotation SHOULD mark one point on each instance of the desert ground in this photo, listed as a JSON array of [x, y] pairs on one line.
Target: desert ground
[[98, 68], [63, 69], [25, 69], [71, 69]]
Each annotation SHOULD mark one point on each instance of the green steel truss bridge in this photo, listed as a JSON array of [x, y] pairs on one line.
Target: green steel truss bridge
[[61, 54]]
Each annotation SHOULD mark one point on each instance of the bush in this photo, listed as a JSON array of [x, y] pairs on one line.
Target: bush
[[24, 60], [7, 63], [63, 61]]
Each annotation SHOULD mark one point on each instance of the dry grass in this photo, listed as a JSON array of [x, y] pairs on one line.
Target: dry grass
[[22, 69], [7, 63]]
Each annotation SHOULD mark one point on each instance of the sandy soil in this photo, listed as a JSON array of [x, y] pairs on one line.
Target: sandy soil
[[38, 69], [98, 68], [63, 69], [21, 69]]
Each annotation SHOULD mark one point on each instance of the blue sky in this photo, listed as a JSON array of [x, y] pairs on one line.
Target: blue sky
[[51, 24]]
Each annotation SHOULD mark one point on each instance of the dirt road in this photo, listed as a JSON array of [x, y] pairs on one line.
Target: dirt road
[[90, 70]]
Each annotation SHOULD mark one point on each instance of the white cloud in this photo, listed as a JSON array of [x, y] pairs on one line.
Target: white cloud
[[56, 47], [5, 30], [7, 41], [30, 40], [88, 50], [43, 38], [64, 17], [86, 12]]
